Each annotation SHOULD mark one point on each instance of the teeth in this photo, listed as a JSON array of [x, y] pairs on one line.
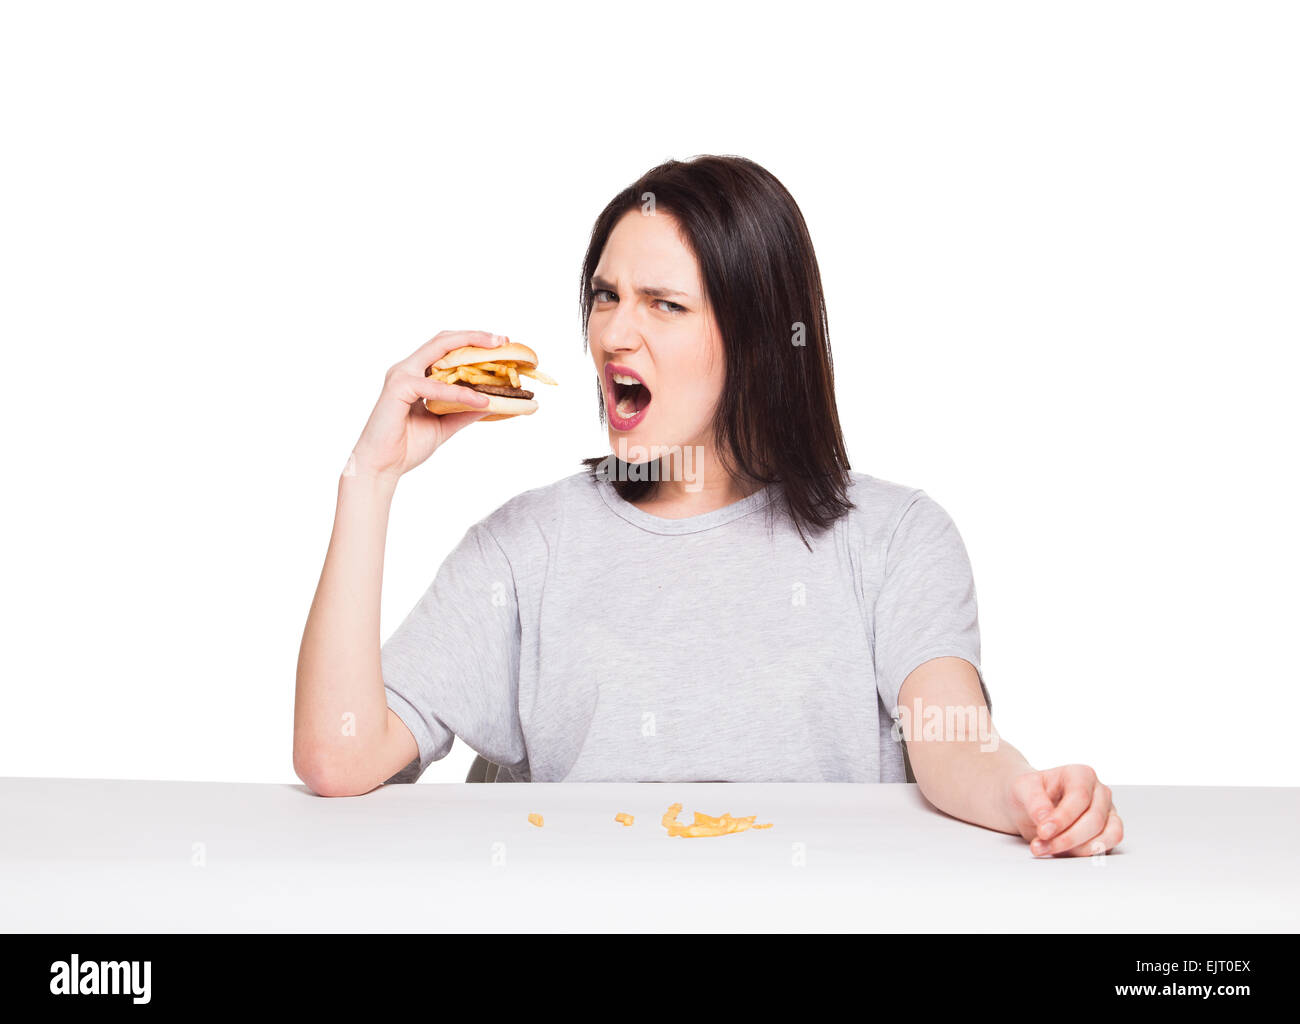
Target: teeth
[[626, 408], [623, 378]]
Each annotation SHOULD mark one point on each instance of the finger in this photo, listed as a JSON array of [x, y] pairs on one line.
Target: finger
[[1108, 839], [430, 388], [439, 345], [1088, 825], [411, 389], [1030, 790], [1076, 783]]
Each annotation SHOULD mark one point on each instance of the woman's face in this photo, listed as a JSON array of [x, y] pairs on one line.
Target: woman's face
[[649, 322]]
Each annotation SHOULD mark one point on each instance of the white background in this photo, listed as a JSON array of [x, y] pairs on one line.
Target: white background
[[1059, 250]]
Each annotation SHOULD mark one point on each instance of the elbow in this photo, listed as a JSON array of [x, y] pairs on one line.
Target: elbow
[[323, 779]]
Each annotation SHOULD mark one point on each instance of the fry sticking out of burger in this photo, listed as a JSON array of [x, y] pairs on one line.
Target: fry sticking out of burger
[[495, 372]]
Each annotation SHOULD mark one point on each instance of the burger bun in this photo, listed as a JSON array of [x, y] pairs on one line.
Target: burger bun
[[499, 407], [468, 355]]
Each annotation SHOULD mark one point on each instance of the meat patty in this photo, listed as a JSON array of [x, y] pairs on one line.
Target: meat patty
[[504, 391]]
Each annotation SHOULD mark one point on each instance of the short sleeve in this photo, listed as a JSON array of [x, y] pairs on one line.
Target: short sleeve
[[452, 666], [926, 605]]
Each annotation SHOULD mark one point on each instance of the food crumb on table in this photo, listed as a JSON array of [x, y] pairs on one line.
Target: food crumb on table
[[706, 825]]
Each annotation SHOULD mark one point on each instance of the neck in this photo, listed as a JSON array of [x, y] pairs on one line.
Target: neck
[[693, 486]]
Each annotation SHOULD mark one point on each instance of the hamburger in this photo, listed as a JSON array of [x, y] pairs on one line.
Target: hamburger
[[494, 372]]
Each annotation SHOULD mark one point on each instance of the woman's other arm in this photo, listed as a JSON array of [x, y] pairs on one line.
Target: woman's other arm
[[968, 771]]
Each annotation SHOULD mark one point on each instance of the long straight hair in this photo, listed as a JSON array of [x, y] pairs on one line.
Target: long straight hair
[[776, 420]]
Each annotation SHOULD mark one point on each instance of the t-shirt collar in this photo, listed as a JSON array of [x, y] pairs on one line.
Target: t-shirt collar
[[691, 524]]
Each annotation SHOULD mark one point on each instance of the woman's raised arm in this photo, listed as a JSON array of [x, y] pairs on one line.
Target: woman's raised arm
[[346, 741]]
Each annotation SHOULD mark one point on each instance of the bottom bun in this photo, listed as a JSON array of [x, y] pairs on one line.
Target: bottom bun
[[499, 407]]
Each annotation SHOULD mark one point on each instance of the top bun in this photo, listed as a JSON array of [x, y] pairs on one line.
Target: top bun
[[467, 355]]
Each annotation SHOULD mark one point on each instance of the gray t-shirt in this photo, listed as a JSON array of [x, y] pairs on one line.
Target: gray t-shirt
[[571, 636]]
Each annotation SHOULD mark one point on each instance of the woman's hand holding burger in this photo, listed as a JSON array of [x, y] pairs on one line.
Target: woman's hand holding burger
[[401, 433]]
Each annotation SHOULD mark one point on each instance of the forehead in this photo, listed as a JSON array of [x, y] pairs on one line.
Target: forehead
[[649, 249]]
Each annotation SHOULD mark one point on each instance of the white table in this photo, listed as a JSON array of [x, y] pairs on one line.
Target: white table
[[80, 855]]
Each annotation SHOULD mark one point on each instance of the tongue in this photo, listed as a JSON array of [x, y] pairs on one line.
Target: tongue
[[633, 401]]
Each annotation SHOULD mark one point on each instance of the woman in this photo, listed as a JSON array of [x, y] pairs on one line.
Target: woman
[[640, 620]]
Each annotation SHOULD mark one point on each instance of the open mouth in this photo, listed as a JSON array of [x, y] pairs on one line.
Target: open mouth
[[629, 398]]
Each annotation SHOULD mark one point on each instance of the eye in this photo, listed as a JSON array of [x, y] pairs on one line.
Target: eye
[[596, 295], [675, 307]]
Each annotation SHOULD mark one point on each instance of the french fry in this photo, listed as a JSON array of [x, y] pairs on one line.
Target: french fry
[[505, 372], [706, 825], [504, 375]]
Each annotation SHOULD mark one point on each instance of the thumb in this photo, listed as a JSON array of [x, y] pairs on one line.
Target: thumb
[[1035, 798]]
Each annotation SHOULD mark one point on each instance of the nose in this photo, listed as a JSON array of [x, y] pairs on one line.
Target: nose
[[619, 332]]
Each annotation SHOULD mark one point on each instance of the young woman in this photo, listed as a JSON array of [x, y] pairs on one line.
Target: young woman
[[721, 598]]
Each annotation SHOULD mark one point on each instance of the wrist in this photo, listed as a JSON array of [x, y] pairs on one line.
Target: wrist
[[1012, 808], [357, 476]]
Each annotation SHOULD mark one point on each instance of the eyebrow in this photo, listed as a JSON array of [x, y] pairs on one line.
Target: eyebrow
[[600, 284]]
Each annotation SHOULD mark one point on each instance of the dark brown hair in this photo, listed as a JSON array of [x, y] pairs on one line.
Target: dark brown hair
[[776, 420]]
